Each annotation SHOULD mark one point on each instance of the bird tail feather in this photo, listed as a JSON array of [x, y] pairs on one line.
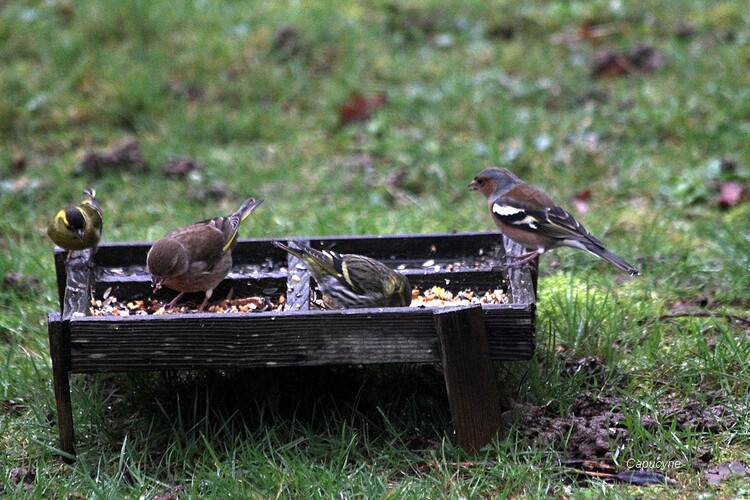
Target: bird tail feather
[[613, 259], [236, 219]]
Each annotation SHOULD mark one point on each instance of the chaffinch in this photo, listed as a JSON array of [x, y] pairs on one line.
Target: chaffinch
[[529, 217], [196, 258]]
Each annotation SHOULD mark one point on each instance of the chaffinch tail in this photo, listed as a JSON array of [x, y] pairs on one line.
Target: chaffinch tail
[[529, 217]]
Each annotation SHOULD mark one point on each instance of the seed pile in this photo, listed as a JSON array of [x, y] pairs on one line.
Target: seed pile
[[440, 297], [432, 297], [110, 306]]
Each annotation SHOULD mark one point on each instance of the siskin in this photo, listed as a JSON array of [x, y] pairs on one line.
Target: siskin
[[351, 280], [78, 227], [196, 258]]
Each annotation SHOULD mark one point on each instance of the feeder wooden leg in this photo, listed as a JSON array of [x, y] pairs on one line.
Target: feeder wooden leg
[[469, 376], [58, 347]]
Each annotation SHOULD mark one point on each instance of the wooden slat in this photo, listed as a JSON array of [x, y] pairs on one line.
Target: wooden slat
[[522, 280], [78, 284], [59, 341], [469, 376], [298, 283], [257, 340], [311, 338]]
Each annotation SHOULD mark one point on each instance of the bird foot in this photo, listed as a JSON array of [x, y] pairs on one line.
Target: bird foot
[[516, 262]]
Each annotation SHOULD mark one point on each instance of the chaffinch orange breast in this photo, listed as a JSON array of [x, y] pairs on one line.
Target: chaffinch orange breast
[[529, 217]]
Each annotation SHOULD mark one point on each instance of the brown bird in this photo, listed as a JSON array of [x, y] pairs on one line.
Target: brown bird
[[529, 217], [196, 258]]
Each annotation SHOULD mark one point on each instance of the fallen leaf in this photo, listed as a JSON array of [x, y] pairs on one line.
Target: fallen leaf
[[581, 201], [730, 194], [640, 59], [26, 475], [723, 471], [180, 167], [359, 108], [127, 156], [18, 164], [645, 58], [287, 43]]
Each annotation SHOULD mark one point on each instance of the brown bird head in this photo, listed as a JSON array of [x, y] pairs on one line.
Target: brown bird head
[[166, 259], [492, 179]]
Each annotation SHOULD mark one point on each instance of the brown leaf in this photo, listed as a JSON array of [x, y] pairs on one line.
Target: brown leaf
[[640, 59], [18, 164], [645, 58], [181, 167], [126, 156], [287, 43], [25, 475], [359, 108], [730, 194], [581, 201], [610, 63], [723, 471]]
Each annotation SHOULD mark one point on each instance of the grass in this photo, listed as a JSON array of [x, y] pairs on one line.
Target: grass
[[468, 86]]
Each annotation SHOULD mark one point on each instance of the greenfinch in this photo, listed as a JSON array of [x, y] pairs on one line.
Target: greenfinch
[[351, 280], [78, 227], [196, 258]]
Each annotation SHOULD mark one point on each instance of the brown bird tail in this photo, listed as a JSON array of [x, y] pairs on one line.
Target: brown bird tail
[[236, 219], [246, 209], [613, 259]]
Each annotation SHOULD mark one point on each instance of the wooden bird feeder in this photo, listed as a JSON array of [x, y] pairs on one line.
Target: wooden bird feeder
[[465, 340]]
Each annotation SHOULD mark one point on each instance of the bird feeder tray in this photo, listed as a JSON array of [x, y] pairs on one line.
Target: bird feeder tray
[[464, 339]]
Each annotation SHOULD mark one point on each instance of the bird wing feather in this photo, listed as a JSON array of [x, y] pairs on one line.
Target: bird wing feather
[[552, 221], [205, 243]]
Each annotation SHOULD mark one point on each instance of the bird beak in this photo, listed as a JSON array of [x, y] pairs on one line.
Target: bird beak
[[156, 283], [474, 186], [79, 233]]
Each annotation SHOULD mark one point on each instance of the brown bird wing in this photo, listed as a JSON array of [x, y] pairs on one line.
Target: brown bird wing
[[551, 220], [204, 242]]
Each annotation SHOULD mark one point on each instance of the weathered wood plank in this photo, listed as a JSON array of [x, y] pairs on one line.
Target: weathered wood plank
[[185, 341], [298, 282], [256, 340], [79, 280], [59, 342], [522, 280], [383, 247], [470, 379]]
